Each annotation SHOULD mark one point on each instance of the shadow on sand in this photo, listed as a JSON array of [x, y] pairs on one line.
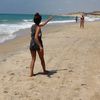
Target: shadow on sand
[[50, 72]]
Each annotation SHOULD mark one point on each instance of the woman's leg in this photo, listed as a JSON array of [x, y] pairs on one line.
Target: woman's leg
[[41, 56], [83, 24], [33, 54], [80, 24]]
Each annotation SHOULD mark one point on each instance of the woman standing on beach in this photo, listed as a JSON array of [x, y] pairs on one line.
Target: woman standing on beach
[[82, 22], [36, 44]]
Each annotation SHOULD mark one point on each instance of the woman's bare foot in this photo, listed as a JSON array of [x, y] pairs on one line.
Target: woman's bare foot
[[32, 75]]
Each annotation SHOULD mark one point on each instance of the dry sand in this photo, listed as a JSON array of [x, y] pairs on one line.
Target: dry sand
[[72, 56]]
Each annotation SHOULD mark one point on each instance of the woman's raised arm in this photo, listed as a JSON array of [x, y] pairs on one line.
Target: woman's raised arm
[[44, 23]]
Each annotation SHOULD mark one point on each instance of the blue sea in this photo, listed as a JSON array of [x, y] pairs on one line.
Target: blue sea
[[10, 23]]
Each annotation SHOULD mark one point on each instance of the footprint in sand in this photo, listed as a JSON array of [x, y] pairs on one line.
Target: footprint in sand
[[5, 91], [3, 77], [70, 70], [10, 73], [27, 67], [83, 84], [16, 93], [4, 60], [17, 62]]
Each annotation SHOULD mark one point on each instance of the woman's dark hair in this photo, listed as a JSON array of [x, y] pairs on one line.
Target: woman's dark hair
[[37, 18]]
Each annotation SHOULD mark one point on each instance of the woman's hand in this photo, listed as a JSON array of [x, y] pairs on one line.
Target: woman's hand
[[44, 23], [41, 48], [50, 18]]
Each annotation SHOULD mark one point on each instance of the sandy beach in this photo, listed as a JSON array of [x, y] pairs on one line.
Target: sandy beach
[[72, 56]]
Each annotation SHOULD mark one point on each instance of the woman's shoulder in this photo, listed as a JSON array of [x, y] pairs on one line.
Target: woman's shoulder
[[35, 27]]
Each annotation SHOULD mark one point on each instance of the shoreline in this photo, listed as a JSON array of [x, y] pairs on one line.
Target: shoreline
[[24, 36], [16, 44], [22, 40]]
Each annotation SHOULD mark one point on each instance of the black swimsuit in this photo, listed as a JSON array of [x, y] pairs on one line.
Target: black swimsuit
[[33, 45]]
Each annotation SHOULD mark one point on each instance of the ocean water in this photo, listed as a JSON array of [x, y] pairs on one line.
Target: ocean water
[[10, 23]]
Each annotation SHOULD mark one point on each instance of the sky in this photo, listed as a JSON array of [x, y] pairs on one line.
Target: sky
[[48, 6]]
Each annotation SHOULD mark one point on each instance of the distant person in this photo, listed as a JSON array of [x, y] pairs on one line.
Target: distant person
[[36, 44], [82, 22], [76, 19]]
